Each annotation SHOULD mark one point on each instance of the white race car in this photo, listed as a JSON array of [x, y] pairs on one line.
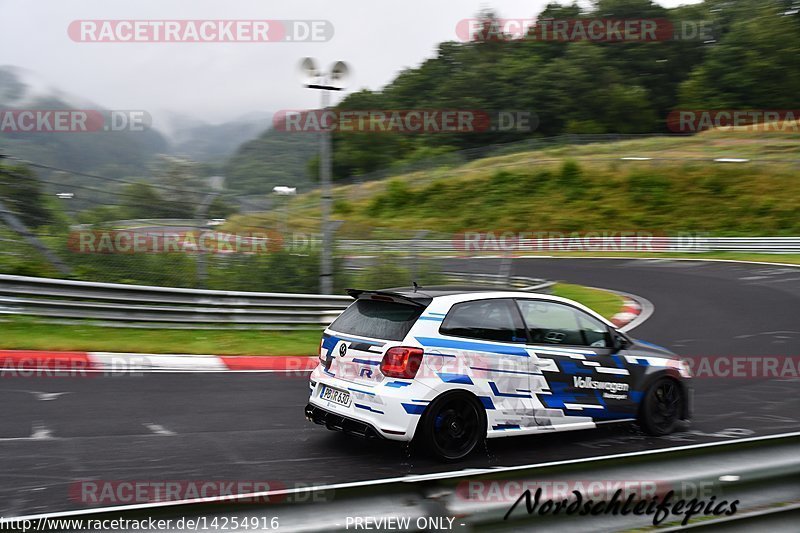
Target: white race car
[[448, 368]]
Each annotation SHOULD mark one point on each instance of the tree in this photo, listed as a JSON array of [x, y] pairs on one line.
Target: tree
[[22, 193], [141, 200], [754, 65]]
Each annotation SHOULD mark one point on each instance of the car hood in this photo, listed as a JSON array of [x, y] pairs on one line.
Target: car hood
[[644, 348]]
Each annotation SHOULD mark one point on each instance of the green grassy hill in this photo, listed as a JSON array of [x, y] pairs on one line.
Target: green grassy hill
[[587, 187]]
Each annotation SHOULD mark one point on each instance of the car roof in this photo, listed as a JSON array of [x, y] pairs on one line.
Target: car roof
[[424, 296], [451, 294]]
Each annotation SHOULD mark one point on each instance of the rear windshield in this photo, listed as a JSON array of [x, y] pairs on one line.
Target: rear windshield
[[378, 320]]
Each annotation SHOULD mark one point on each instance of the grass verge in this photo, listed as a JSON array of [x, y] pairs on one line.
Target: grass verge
[[30, 334], [604, 302]]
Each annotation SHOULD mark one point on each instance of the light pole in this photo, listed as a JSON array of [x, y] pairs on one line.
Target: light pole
[[331, 81]]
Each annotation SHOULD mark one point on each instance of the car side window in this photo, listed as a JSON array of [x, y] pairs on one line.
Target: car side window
[[595, 333], [491, 320], [557, 323]]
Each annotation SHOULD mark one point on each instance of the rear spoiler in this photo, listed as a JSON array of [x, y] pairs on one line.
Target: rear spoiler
[[419, 299]]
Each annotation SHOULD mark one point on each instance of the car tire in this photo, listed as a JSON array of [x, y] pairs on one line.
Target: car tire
[[452, 427], [662, 407]]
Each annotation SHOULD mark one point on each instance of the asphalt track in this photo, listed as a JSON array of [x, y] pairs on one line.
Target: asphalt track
[[232, 426]]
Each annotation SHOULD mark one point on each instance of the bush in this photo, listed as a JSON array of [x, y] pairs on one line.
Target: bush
[[649, 188]]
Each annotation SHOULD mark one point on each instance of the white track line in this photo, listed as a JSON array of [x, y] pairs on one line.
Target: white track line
[[40, 432], [158, 429], [792, 265]]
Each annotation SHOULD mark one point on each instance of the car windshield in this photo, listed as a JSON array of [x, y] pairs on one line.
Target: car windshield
[[377, 319]]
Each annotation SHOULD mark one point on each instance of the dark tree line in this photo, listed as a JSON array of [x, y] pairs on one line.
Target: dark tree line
[[590, 87]]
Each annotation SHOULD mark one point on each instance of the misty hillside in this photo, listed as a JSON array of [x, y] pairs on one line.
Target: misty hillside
[[201, 141], [274, 158], [115, 153], [120, 153]]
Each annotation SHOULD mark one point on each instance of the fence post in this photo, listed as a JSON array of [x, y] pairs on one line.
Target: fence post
[[202, 215], [505, 270], [415, 263]]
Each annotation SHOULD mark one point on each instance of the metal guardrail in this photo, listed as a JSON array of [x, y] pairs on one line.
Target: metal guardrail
[[144, 222], [761, 473], [166, 307], [521, 283], [498, 244]]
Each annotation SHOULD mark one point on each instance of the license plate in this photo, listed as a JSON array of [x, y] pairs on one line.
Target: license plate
[[335, 395]]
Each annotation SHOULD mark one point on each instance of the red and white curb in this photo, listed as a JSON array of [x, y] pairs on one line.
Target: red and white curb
[[630, 310], [635, 311], [21, 360]]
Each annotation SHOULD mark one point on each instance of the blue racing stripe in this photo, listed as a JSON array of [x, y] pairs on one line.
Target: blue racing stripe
[[497, 392], [397, 384], [504, 371], [455, 378], [506, 426], [367, 408], [645, 343], [366, 362], [473, 346], [487, 402], [570, 367], [413, 409]]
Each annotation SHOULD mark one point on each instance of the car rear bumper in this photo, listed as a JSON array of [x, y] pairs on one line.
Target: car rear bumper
[[337, 422], [392, 412]]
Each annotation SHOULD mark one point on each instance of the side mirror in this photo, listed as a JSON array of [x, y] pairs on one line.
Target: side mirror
[[619, 341]]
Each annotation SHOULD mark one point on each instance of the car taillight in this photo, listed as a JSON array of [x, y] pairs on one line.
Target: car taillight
[[322, 358], [401, 362]]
